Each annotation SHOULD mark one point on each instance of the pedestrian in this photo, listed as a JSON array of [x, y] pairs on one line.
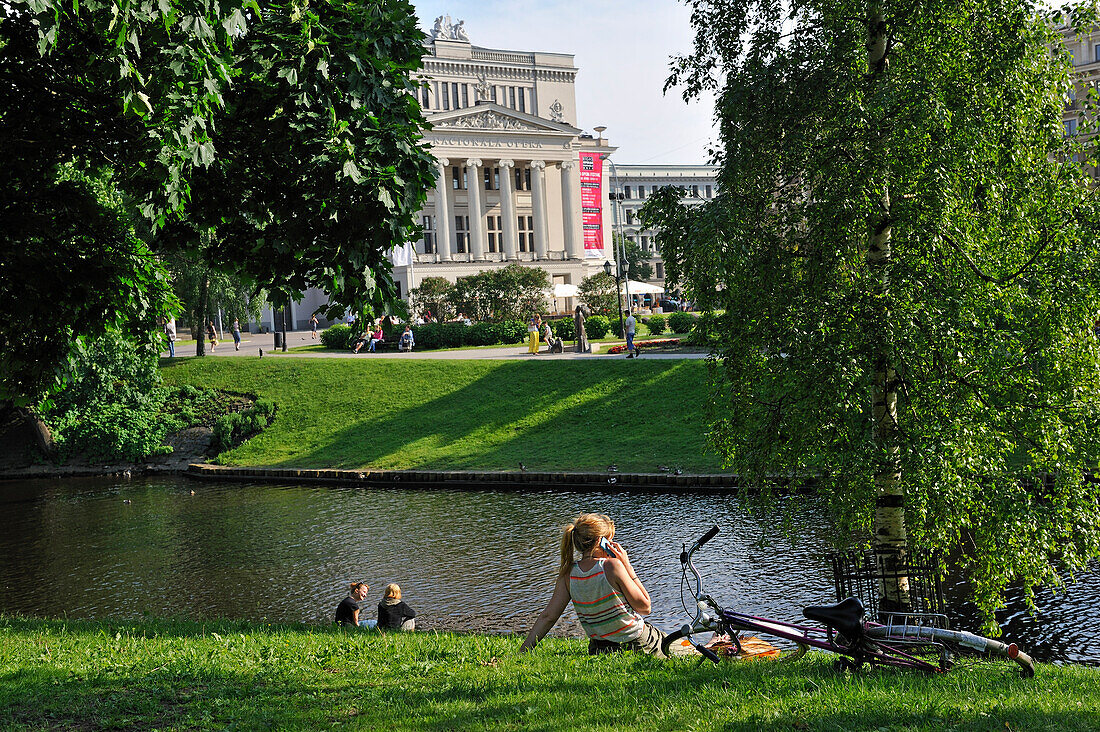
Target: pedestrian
[[393, 612], [170, 332], [212, 335], [313, 326], [236, 334], [610, 600], [630, 325], [532, 336]]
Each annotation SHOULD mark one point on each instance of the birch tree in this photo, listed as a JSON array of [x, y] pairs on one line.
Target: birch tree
[[904, 244]]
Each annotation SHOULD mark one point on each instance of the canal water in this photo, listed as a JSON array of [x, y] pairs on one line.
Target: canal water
[[465, 559]]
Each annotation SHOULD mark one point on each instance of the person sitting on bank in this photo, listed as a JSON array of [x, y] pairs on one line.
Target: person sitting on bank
[[406, 343], [347, 612], [609, 598], [393, 612]]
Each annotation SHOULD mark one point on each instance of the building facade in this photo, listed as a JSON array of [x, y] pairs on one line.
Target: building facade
[[631, 185]]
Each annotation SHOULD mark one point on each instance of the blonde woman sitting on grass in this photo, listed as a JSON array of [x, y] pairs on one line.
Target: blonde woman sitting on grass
[[393, 613], [609, 598]]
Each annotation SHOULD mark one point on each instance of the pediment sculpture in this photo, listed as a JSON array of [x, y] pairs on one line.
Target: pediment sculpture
[[488, 120]]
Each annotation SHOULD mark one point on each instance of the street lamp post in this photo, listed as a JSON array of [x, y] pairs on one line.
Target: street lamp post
[[618, 293]]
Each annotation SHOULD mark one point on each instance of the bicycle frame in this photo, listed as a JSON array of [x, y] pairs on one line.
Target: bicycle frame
[[862, 649]]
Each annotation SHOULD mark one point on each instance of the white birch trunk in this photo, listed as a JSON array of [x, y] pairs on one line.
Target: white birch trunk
[[889, 540]]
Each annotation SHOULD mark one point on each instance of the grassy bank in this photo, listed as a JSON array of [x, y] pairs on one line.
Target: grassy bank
[[184, 675], [457, 415]]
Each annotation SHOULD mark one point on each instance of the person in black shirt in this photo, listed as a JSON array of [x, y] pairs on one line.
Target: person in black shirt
[[393, 613], [347, 612]]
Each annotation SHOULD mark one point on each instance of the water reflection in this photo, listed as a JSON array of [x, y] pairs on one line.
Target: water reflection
[[482, 560]]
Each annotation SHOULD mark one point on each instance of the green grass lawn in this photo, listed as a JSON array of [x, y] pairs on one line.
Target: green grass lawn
[[467, 415], [171, 675]]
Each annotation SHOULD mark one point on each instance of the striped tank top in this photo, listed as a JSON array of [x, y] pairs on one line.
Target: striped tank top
[[601, 609]]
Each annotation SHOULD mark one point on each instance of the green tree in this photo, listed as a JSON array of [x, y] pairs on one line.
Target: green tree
[[598, 293], [434, 296], [203, 290], [636, 258], [906, 251], [514, 292], [287, 137]]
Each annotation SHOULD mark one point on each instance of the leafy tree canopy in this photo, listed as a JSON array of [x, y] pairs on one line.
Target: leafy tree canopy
[[434, 296], [287, 131], [906, 252], [598, 292], [636, 258], [513, 292]]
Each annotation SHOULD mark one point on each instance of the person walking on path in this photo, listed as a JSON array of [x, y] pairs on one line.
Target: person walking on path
[[533, 335], [170, 331], [236, 334], [630, 325], [313, 326], [609, 598], [212, 335], [393, 612]]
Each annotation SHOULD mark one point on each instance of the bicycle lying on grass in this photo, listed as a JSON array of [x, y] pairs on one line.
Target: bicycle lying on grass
[[917, 641]]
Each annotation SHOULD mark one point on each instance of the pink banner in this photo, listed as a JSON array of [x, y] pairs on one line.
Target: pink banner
[[592, 204]]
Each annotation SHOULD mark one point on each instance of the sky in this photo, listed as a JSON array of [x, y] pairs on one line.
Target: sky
[[621, 50]]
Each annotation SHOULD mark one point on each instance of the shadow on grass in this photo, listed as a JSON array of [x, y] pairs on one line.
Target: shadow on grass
[[632, 414]]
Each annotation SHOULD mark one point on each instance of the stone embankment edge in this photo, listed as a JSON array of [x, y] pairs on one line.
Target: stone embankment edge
[[464, 478]]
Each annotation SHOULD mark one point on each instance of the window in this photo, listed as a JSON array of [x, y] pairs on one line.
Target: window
[[660, 270], [1097, 51], [626, 191], [645, 244], [708, 191], [446, 95], [454, 94], [496, 242], [512, 97], [429, 234], [526, 233], [458, 178], [1071, 127], [695, 191], [492, 93], [641, 191], [491, 178], [465, 95], [425, 97], [629, 217], [522, 105], [462, 236], [523, 179]]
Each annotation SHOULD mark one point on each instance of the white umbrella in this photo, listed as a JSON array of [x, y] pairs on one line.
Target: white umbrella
[[563, 289], [641, 288]]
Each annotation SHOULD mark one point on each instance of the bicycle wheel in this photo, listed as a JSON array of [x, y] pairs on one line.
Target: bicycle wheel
[[950, 646]]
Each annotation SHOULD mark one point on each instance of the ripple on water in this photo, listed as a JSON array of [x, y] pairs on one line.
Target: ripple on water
[[466, 559]]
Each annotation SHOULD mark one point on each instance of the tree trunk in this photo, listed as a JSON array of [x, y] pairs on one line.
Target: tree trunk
[[889, 540], [41, 433], [204, 297]]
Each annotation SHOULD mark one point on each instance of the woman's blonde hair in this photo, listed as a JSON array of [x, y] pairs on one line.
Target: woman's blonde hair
[[582, 535], [393, 590], [356, 585]]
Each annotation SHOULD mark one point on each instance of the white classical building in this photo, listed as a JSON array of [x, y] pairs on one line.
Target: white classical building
[[517, 181], [636, 183]]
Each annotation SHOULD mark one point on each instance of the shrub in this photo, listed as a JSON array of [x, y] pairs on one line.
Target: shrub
[[681, 322], [656, 324], [339, 337], [596, 326], [234, 428], [564, 328], [513, 331], [705, 332]]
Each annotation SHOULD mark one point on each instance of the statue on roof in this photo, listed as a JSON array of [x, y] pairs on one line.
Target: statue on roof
[[458, 31]]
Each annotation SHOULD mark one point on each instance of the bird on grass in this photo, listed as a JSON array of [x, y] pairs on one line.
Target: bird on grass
[[261, 353], [613, 468], [522, 468], [663, 468], [678, 471], [126, 500]]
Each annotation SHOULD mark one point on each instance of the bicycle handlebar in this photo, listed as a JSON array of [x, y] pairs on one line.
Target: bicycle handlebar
[[709, 535]]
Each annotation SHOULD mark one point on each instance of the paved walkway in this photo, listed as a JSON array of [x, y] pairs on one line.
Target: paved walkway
[[251, 343]]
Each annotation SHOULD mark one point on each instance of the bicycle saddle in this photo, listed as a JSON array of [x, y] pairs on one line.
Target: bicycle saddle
[[846, 617]]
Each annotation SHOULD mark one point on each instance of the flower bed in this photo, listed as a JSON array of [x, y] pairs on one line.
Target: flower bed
[[656, 342]]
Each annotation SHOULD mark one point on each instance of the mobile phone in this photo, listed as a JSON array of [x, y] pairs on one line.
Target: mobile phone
[[606, 546]]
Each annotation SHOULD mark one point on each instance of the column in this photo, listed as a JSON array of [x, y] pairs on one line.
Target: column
[[442, 212], [508, 210], [570, 206], [538, 205], [477, 218]]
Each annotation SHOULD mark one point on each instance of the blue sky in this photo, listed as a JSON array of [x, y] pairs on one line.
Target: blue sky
[[622, 50]]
